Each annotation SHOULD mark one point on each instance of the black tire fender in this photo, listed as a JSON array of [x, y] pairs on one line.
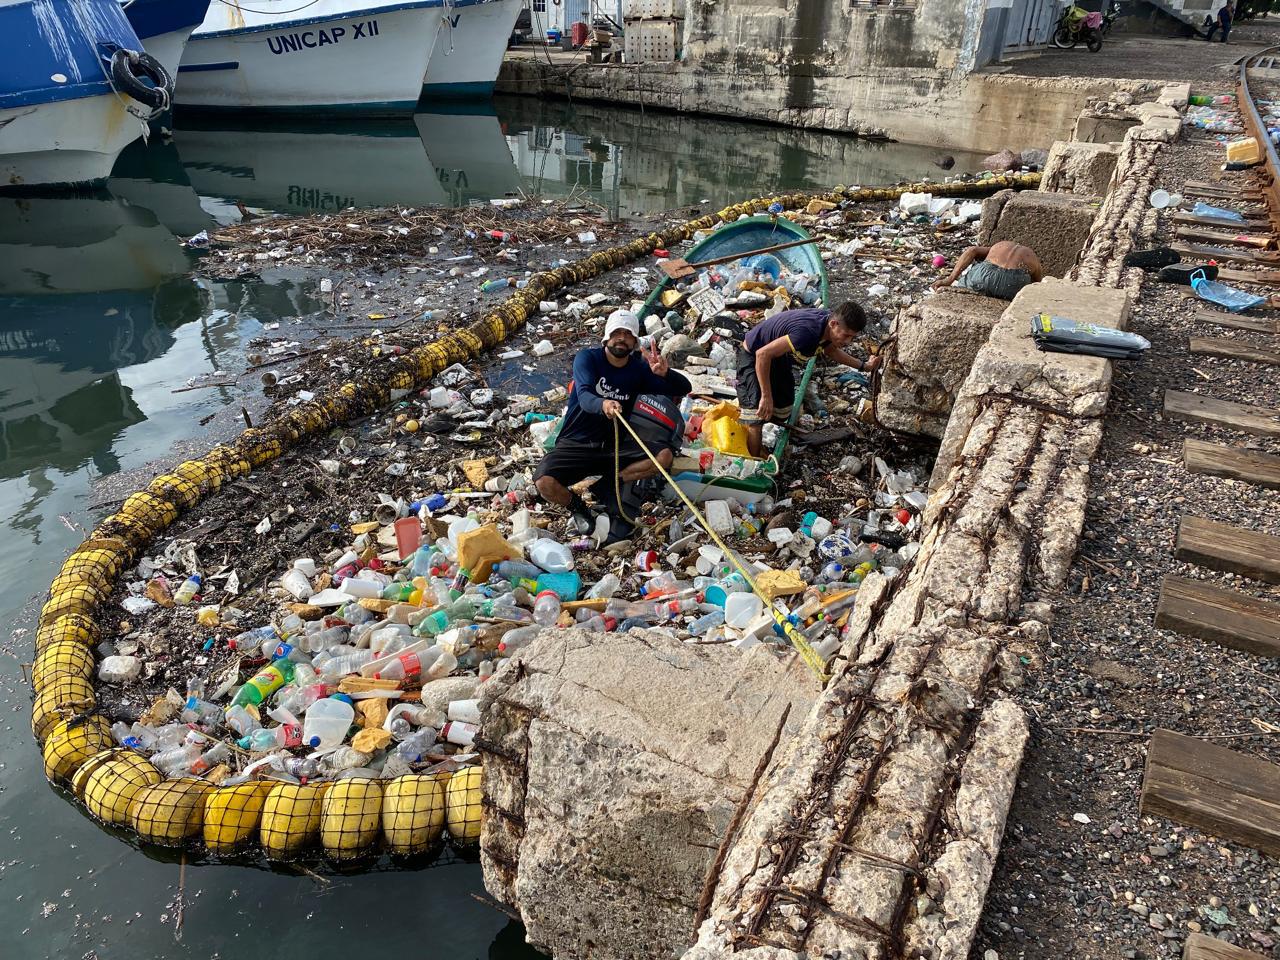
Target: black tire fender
[[128, 71]]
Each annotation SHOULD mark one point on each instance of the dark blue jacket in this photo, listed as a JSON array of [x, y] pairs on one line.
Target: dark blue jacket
[[596, 380]]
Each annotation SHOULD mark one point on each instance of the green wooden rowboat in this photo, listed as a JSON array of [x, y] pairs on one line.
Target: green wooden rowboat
[[740, 238]]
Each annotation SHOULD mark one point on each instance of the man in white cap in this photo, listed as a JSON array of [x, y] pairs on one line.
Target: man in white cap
[[606, 382]]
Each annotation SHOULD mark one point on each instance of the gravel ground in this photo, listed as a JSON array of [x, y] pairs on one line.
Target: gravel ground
[[1121, 885]]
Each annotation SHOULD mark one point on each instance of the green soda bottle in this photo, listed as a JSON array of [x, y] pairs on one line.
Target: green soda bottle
[[264, 683]]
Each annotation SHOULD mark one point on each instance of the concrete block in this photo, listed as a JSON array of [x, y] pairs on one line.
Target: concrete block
[[1054, 225], [1082, 169], [613, 767], [1097, 128], [937, 341], [1175, 95], [1154, 111], [1010, 363]]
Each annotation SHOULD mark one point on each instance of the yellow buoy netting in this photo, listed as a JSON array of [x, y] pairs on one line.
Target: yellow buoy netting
[[348, 818]]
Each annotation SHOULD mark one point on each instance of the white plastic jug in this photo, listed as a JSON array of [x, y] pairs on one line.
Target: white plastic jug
[[551, 556], [741, 608], [326, 723]]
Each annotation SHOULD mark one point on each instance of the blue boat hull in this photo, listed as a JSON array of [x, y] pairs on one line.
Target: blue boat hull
[[60, 120]]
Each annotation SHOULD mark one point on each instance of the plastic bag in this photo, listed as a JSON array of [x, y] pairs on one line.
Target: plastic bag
[[722, 430], [1060, 335]]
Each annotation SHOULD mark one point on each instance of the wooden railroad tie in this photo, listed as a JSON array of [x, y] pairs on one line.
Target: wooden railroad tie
[[1220, 546], [1248, 223], [1220, 616], [1220, 791], [1237, 322], [1233, 350], [1234, 463], [1201, 946], [1264, 277], [1248, 418], [1200, 251]]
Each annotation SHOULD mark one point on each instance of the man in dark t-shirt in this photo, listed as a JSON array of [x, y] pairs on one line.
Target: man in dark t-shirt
[[766, 377], [606, 382]]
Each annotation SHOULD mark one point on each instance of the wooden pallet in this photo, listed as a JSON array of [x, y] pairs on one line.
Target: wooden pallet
[[1236, 322], [1220, 616], [1220, 546], [1233, 350], [1201, 946], [1235, 463], [1220, 791]]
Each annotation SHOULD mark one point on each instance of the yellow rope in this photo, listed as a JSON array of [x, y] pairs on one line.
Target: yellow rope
[[617, 472], [807, 653]]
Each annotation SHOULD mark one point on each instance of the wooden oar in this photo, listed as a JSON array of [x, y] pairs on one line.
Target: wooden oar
[[677, 268]]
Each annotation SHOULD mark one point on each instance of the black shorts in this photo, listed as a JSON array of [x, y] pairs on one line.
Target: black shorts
[[782, 379], [570, 462]]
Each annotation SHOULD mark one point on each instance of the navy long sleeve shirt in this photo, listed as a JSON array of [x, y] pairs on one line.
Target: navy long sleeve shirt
[[596, 380]]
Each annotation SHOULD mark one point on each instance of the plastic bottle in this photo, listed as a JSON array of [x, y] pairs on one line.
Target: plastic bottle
[[177, 760], [719, 591], [833, 572], [463, 734], [551, 556], [405, 665], [327, 722], [186, 593], [704, 623], [272, 738], [239, 719], [433, 623], [338, 667], [496, 286], [264, 683], [514, 640], [412, 747], [605, 587], [660, 586], [546, 608]]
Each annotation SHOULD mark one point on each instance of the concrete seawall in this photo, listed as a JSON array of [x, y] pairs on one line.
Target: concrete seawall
[[984, 111]]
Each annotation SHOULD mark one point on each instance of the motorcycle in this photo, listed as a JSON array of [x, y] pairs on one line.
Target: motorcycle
[[1076, 25], [1109, 19]]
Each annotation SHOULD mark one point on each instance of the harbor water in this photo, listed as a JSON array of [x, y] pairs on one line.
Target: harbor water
[[105, 320]]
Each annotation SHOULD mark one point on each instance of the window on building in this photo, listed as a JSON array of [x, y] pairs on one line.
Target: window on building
[[539, 6], [882, 4]]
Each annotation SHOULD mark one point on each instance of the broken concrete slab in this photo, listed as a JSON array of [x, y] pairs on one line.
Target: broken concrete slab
[[1082, 169], [937, 340], [613, 766]]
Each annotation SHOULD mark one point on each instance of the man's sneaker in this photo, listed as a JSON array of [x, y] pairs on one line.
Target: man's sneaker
[[1151, 259], [619, 530], [1181, 273], [580, 518]]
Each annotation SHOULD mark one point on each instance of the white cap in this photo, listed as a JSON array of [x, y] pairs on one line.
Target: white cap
[[621, 320]]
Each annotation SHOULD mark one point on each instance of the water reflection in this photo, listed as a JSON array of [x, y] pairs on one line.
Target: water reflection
[[312, 169], [634, 162]]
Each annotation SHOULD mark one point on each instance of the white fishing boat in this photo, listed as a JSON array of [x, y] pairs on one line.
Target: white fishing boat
[[310, 55], [73, 92], [469, 51], [163, 26]]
